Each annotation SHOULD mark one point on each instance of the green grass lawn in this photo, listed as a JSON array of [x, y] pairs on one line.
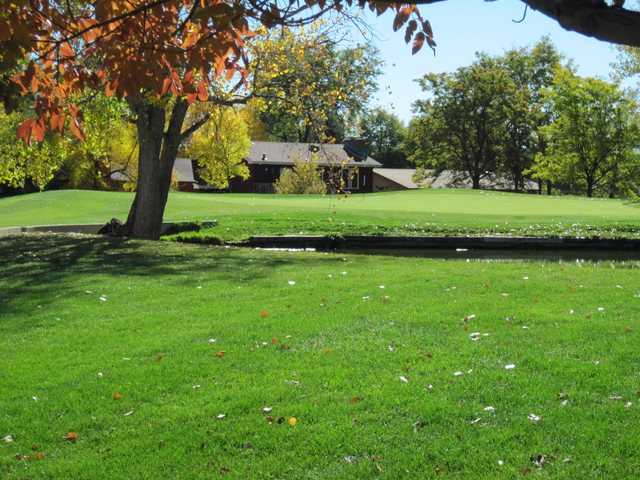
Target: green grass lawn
[[410, 212], [115, 341]]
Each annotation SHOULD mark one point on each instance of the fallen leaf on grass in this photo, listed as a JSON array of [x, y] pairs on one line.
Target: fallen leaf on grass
[[538, 460], [220, 354], [355, 400], [221, 416], [71, 436], [128, 414], [38, 456], [117, 396], [534, 418], [7, 438], [404, 379], [264, 314], [510, 366], [266, 409], [419, 425], [293, 421]]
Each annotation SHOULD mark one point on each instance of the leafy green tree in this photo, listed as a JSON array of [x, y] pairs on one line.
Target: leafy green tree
[[220, 147], [385, 135], [310, 89], [461, 126], [22, 164], [303, 178], [592, 139], [531, 70]]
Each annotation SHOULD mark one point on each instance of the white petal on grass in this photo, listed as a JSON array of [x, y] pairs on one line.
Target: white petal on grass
[[534, 418], [221, 416], [500, 462], [34, 398], [510, 366], [429, 387], [470, 370], [267, 409], [458, 373], [291, 282], [129, 413], [475, 420], [102, 298], [381, 286], [489, 409], [343, 273], [628, 404], [212, 340], [601, 309], [404, 379], [196, 386], [7, 438], [100, 375]]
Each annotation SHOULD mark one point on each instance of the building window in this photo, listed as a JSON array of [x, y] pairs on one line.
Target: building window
[[352, 180]]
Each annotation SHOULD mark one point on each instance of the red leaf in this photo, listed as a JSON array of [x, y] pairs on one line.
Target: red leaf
[[203, 93], [411, 29], [24, 131], [38, 130], [418, 42]]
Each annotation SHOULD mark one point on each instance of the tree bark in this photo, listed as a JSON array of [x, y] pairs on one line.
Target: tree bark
[[157, 153]]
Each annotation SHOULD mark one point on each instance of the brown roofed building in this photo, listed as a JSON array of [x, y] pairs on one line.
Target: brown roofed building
[[346, 166]]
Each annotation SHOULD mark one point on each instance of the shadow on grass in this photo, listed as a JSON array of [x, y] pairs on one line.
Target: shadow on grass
[[37, 269]]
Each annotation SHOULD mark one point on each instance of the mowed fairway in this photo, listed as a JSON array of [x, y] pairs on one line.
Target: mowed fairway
[[161, 358], [410, 212]]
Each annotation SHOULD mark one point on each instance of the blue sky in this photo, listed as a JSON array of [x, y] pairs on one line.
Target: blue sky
[[460, 32]]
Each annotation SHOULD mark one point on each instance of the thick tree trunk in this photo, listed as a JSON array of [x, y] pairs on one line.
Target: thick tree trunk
[[157, 153], [475, 182]]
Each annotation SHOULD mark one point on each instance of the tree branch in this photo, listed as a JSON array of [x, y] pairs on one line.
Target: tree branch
[[193, 128]]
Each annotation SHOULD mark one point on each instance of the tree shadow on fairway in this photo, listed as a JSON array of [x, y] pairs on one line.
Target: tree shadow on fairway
[[35, 270]]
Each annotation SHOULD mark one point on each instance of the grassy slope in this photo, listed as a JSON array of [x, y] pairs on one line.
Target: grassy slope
[[423, 211], [56, 335]]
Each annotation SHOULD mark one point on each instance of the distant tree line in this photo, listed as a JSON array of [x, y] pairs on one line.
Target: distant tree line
[[527, 115]]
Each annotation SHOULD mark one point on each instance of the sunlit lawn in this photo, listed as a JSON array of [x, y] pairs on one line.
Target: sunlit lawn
[[161, 358], [409, 212]]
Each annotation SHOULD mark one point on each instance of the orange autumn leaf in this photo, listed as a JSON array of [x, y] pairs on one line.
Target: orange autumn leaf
[[117, 396], [71, 436], [264, 314], [220, 354]]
